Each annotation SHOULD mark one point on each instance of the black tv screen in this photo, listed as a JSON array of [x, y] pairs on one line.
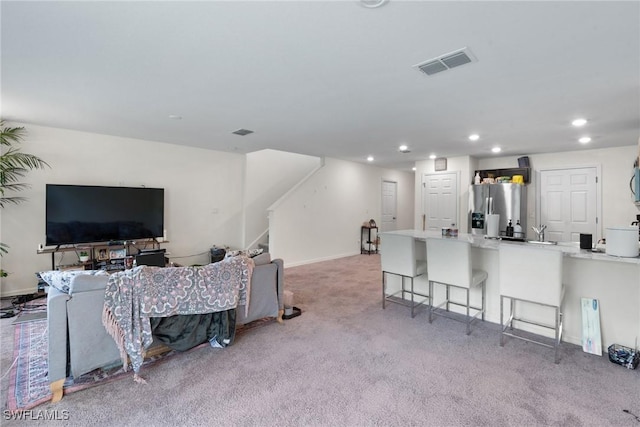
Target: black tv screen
[[84, 213]]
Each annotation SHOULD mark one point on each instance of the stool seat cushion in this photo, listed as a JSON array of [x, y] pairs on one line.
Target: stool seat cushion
[[478, 276]]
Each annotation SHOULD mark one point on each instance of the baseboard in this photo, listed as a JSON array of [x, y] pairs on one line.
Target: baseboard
[[313, 261], [15, 293]]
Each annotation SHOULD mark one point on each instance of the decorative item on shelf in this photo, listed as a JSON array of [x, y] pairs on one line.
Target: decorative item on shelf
[[103, 255], [117, 253], [84, 256], [523, 162], [450, 231], [372, 223], [128, 262]]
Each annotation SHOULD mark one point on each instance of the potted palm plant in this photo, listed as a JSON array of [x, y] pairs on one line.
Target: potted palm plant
[[14, 165]]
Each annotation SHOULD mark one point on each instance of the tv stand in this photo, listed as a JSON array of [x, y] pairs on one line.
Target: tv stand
[[102, 255]]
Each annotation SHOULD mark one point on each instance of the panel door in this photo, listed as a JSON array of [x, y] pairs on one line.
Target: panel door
[[440, 200], [568, 203], [389, 206]]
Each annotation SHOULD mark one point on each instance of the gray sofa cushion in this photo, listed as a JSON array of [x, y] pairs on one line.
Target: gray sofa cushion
[[261, 259]]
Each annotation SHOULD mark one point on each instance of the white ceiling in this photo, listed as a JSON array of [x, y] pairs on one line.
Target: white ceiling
[[329, 78]]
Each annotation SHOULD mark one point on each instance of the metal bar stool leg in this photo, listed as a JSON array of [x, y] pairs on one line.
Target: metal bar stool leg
[[447, 297], [513, 312], [430, 301], [484, 298], [557, 343], [384, 291], [502, 321], [412, 302], [468, 317]]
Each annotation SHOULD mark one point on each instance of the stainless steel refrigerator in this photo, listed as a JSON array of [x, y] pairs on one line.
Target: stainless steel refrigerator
[[507, 200]]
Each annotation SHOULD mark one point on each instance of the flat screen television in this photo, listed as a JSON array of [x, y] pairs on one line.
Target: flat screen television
[[85, 213]]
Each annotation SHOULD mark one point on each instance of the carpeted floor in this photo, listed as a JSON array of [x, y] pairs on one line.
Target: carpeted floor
[[28, 380], [347, 362]]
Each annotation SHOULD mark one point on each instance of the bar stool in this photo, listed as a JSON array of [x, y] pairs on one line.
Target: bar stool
[[449, 263], [402, 256], [532, 276]]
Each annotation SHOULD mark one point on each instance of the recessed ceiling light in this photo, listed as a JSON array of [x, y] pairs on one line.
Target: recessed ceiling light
[[372, 4], [413, 168], [175, 117], [496, 149], [433, 156], [585, 140], [474, 137], [579, 122], [370, 159], [404, 148]]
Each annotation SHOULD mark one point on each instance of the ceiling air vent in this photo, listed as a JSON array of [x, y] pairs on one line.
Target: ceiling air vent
[[242, 132], [446, 61]]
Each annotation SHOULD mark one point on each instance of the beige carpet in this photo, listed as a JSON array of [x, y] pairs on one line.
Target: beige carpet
[[347, 362]]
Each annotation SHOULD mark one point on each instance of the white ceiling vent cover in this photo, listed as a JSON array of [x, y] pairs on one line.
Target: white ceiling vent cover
[[446, 62]]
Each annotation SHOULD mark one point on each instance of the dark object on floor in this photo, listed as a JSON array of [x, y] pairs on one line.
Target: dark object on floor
[[625, 356], [29, 317], [217, 254], [296, 312], [21, 299]]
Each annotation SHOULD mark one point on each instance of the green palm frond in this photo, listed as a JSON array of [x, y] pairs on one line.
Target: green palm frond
[[14, 165]]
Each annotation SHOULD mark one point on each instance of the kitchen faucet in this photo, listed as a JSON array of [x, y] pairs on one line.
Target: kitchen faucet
[[540, 232]]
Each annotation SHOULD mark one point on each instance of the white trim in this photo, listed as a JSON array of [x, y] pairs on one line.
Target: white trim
[[258, 239], [329, 258], [278, 202], [598, 168]]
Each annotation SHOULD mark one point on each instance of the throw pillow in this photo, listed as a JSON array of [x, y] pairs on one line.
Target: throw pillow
[[62, 279]]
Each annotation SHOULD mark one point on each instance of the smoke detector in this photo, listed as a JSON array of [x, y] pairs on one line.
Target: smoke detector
[[446, 62], [242, 132]]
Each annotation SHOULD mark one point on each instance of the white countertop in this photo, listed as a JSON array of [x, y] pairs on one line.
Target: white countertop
[[570, 249]]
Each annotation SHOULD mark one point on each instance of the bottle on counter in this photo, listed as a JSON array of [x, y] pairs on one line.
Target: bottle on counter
[[477, 178], [510, 229], [517, 229]]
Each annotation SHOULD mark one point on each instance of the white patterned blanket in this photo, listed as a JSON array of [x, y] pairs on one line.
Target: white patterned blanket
[[133, 296]]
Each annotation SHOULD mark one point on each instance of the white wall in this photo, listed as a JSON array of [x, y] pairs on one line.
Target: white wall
[[203, 194], [269, 175], [616, 167], [321, 219]]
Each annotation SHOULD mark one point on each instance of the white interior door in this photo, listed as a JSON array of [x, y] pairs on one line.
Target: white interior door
[[568, 203], [440, 200], [389, 206]]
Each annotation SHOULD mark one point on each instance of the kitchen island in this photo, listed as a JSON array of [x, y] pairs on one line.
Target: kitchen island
[[613, 281]]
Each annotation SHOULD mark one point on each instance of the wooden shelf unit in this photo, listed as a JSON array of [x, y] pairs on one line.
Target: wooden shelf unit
[[95, 249], [510, 172]]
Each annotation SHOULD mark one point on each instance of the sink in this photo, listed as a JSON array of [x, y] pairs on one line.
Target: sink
[[537, 242]]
